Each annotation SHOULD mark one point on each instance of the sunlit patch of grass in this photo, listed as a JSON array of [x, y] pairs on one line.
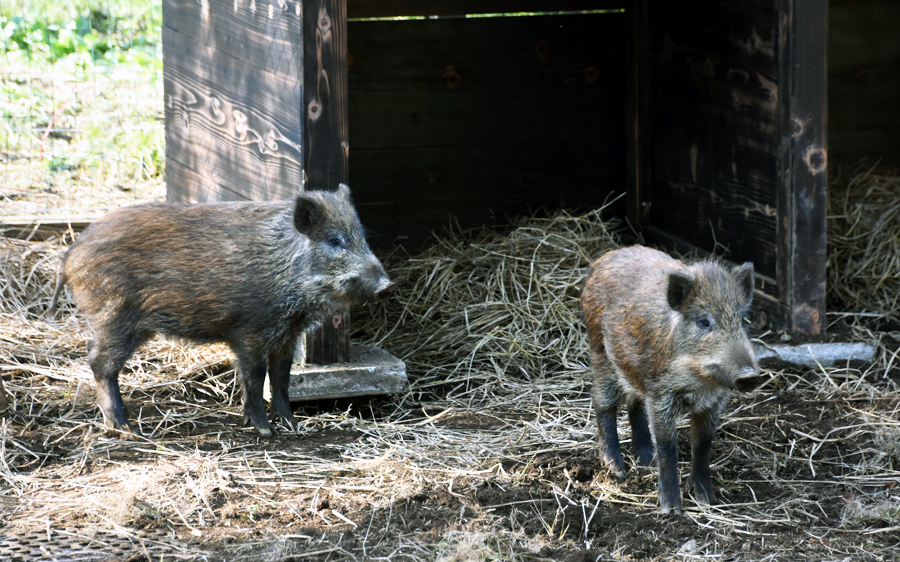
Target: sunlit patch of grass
[[81, 97]]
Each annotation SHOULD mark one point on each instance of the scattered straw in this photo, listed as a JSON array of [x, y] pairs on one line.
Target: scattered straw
[[491, 453], [480, 310], [864, 245]]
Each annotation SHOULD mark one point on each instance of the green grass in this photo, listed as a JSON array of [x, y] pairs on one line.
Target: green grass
[[94, 32], [81, 100]]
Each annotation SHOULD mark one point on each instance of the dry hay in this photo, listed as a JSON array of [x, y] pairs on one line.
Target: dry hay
[[864, 245], [489, 456], [480, 310]]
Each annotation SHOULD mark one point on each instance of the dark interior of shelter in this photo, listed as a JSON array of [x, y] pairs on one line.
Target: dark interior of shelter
[[707, 124], [484, 118], [716, 121]]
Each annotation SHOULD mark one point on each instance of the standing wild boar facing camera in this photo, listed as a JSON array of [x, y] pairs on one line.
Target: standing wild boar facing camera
[[252, 275], [669, 338]]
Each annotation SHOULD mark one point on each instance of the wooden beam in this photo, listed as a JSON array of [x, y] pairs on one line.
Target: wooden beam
[[42, 228], [395, 8], [325, 137], [803, 197], [637, 113]]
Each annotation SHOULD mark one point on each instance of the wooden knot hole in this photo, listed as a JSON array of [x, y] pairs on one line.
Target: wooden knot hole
[[451, 77], [314, 110]]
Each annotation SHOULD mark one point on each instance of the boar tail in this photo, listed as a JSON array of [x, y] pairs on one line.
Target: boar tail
[[60, 283]]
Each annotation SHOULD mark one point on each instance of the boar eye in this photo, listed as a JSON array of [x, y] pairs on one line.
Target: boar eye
[[336, 242], [706, 322]]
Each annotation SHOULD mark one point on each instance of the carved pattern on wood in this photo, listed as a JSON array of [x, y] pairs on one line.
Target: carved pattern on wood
[[233, 89]]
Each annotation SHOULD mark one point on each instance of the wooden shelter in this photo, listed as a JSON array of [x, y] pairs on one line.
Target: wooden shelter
[[709, 114]]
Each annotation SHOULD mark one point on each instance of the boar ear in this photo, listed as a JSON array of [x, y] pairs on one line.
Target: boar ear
[[680, 286], [307, 213], [744, 277], [344, 191]]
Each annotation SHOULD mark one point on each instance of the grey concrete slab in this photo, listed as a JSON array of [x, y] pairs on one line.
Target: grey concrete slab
[[370, 371]]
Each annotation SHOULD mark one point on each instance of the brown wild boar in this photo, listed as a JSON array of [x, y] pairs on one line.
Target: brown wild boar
[[668, 338], [252, 275]]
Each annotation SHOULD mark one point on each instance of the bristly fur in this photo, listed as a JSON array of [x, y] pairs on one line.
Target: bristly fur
[[252, 275], [668, 338]]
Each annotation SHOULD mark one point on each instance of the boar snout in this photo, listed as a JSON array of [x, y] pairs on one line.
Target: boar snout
[[385, 289], [748, 378], [732, 379], [371, 284]]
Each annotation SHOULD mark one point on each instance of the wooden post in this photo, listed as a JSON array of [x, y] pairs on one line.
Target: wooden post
[[736, 152], [803, 196], [637, 112], [325, 137]]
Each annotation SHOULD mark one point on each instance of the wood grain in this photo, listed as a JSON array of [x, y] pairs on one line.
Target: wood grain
[[233, 125], [267, 35]]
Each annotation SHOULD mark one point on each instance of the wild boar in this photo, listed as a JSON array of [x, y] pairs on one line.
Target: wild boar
[[252, 275], [668, 338]]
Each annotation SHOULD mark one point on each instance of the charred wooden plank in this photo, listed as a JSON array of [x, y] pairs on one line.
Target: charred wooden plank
[[714, 126], [802, 210], [325, 136]]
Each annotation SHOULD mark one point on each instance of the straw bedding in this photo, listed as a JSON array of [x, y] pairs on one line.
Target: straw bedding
[[490, 455], [864, 246]]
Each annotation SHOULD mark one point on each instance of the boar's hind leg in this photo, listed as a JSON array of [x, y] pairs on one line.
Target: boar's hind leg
[[606, 394], [252, 367], [640, 431], [280, 362], [662, 414], [109, 351], [703, 429]]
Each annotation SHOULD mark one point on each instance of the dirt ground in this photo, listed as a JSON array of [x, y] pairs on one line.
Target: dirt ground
[[789, 469]]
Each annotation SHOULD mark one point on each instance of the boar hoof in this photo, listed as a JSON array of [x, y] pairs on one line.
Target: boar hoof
[[125, 431], [670, 508], [703, 497], [264, 429], [666, 509], [702, 492]]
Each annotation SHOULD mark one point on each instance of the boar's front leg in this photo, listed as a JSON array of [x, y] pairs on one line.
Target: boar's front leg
[[605, 397], [662, 413], [280, 362], [252, 366], [703, 430]]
